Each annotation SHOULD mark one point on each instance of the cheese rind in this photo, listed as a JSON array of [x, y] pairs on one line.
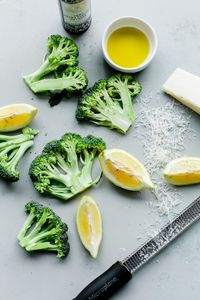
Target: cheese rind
[[185, 87]]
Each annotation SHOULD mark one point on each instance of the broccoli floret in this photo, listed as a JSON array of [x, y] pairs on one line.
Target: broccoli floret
[[43, 230], [64, 168], [109, 102], [73, 79], [62, 52], [12, 149]]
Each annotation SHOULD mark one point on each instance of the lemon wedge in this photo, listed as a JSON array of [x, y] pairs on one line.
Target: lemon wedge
[[89, 225], [16, 116], [183, 171], [124, 170]]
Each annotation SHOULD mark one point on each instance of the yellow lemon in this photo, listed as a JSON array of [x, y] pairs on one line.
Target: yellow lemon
[[16, 116], [183, 171], [89, 224], [124, 170]]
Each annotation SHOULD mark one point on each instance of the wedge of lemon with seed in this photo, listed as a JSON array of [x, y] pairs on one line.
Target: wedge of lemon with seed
[[124, 170], [183, 171], [16, 116], [89, 224]]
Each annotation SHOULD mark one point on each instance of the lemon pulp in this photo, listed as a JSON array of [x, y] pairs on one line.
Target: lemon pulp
[[128, 47], [89, 224], [13, 120], [122, 174], [185, 178], [183, 171]]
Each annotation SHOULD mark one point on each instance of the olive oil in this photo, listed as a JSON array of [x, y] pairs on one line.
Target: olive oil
[[128, 47]]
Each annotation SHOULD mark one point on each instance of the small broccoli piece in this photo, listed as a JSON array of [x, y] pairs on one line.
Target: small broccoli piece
[[43, 230], [12, 149], [64, 168], [73, 79], [62, 52], [109, 102]]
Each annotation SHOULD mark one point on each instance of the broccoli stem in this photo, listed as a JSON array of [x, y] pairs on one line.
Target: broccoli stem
[[86, 172], [28, 223], [64, 179], [42, 246], [127, 102], [15, 159], [72, 159], [121, 124], [60, 192], [63, 165], [117, 118], [34, 232], [77, 184], [39, 237], [54, 174], [15, 141], [10, 137], [31, 235], [44, 69], [70, 182], [8, 149], [58, 84]]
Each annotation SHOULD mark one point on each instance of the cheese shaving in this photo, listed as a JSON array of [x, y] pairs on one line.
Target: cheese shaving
[[162, 130]]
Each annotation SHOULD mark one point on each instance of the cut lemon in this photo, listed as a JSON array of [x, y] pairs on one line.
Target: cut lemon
[[124, 170], [183, 171], [16, 116], [89, 225]]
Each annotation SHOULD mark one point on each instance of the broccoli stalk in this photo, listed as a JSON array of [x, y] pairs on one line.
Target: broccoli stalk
[[43, 230], [73, 79], [62, 52], [64, 169], [109, 103], [88, 148], [12, 149]]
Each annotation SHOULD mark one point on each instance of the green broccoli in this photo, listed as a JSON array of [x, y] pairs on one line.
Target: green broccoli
[[109, 102], [73, 79], [12, 148], [62, 52], [43, 230], [64, 168]]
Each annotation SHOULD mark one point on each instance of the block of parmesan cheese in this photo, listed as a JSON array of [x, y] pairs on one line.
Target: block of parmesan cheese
[[185, 87]]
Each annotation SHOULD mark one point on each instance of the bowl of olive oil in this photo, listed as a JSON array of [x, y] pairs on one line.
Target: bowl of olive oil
[[129, 44]]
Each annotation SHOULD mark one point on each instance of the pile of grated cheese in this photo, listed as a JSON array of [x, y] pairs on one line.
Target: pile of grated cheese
[[162, 130]]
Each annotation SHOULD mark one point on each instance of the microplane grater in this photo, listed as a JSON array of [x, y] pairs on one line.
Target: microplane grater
[[152, 247], [104, 286]]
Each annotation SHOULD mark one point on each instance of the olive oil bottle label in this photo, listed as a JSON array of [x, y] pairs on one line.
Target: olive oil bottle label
[[76, 14]]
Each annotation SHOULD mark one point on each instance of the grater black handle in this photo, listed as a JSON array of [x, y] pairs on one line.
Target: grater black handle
[[104, 286]]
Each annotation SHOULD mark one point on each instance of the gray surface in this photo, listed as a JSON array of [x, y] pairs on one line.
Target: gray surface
[[25, 26]]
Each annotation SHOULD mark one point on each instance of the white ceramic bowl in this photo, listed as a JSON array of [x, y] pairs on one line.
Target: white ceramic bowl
[[136, 23]]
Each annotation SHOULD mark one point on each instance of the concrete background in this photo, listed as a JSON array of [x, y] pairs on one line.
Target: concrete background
[[175, 274]]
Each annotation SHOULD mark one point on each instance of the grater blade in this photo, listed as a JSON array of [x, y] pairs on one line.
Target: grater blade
[[167, 234]]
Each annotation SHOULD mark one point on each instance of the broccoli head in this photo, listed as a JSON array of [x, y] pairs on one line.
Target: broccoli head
[[43, 230], [72, 79], [62, 52], [109, 102], [12, 149], [64, 168]]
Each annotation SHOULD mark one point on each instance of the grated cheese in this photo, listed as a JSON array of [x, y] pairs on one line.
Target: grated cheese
[[162, 130]]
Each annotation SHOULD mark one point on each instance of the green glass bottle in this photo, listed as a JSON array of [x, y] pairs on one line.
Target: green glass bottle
[[76, 15]]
